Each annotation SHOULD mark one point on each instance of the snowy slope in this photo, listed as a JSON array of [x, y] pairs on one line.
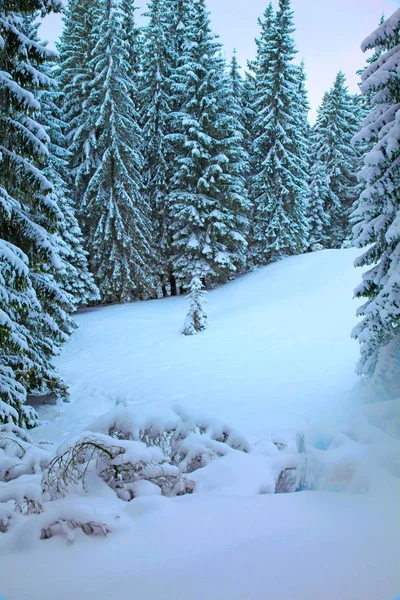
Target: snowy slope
[[277, 353], [276, 359]]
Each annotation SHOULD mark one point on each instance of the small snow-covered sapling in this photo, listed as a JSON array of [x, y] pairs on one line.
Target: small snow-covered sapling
[[196, 319]]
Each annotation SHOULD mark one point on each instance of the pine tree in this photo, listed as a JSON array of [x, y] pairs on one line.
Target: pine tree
[[133, 36], [32, 221], [208, 202], [196, 319], [365, 99], [337, 122], [235, 145], [17, 298], [364, 102], [378, 217], [114, 212], [236, 80], [177, 16], [257, 90], [157, 151], [303, 129], [318, 199], [242, 105], [248, 101], [73, 75], [76, 278], [279, 225]]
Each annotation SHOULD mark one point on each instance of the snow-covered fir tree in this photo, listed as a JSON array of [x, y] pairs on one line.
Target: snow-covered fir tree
[[264, 45], [337, 122], [366, 97], [279, 148], [243, 90], [208, 201], [114, 211], [303, 131], [196, 319], [76, 278], [32, 222], [73, 76], [157, 102], [177, 18], [257, 92], [17, 298], [235, 146], [133, 36], [378, 211], [319, 197], [248, 100], [236, 79], [364, 102], [304, 128]]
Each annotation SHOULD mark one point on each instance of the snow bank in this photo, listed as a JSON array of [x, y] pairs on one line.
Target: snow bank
[[135, 454], [213, 547]]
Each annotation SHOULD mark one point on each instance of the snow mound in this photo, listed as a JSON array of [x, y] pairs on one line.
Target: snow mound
[[133, 454]]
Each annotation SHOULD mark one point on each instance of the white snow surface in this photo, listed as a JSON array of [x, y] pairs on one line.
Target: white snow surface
[[277, 354], [276, 360]]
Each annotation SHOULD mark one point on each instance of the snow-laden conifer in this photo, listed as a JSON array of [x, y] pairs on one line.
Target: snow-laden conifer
[[76, 278], [237, 80], [249, 114], [73, 76], [378, 211], [337, 122], [364, 101], [242, 104], [319, 200], [257, 93], [31, 219], [208, 201], [157, 151], [278, 185], [196, 319], [114, 211], [133, 37], [16, 300], [303, 128]]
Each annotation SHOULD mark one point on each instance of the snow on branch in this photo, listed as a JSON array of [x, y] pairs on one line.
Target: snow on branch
[[384, 31]]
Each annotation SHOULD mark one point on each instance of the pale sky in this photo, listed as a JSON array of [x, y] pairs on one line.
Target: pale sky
[[328, 34]]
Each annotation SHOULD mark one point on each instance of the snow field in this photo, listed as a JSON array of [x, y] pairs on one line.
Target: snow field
[[275, 364]]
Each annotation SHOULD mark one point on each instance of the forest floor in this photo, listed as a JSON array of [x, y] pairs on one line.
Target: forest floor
[[276, 360]]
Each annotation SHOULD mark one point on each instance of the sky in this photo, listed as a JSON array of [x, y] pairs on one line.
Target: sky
[[328, 35]]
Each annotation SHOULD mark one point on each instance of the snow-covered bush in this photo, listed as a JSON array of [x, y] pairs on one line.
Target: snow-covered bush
[[64, 527], [23, 493], [196, 319], [124, 449], [21, 465], [127, 453], [187, 442], [316, 247], [120, 464], [19, 455]]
